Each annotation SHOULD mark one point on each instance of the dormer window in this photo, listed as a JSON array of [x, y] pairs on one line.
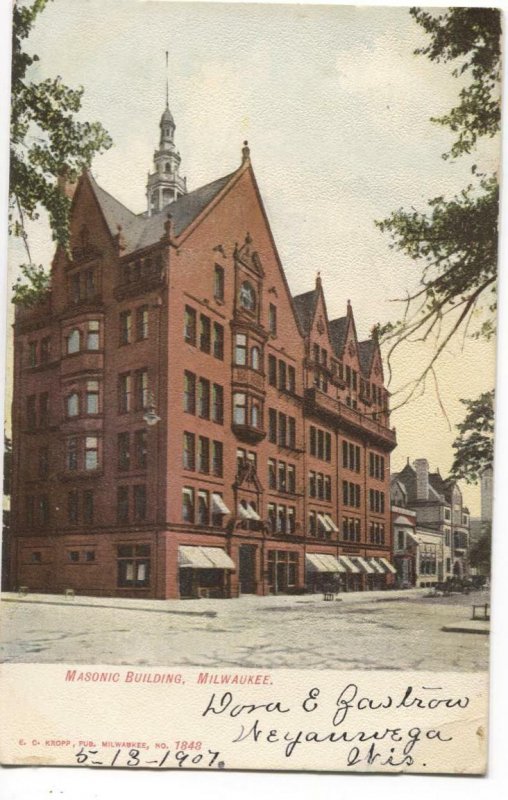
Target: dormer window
[[247, 296]]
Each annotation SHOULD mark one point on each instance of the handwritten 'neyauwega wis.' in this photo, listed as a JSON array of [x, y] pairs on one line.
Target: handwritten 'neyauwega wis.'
[[347, 720]]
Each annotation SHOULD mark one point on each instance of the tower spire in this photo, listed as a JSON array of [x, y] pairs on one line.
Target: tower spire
[[167, 79], [165, 184]]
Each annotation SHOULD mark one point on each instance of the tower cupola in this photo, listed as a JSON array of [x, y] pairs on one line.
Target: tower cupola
[[165, 184]]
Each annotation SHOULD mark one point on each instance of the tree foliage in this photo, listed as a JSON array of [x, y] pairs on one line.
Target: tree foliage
[[48, 141], [454, 242], [480, 554], [474, 446]]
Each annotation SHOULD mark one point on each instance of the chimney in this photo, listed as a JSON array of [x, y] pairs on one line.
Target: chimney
[[421, 466]]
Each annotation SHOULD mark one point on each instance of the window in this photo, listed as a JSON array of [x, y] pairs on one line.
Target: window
[[189, 445], [282, 476], [282, 430], [291, 478], [204, 334], [45, 349], [320, 486], [73, 556], [72, 453], [240, 408], [204, 454], [218, 341], [72, 506], [43, 409], [204, 398], [32, 354], [188, 504], [124, 392], [189, 330], [272, 319], [217, 403], [218, 283], [313, 446], [125, 327], [142, 389], [140, 448], [89, 555], [36, 558], [255, 414], [73, 341], [122, 504], [272, 370], [312, 523], [203, 508], [140, 502], [189, 392], [43, 469], [73, 405], [92, 397], [292, 433], [376, 466], [43, 509], [291, 384], [255, 358], [241, 457], [123, 451], [376, 501], [241, 349], [217, 459], [88, 507], [92, 335], [247, 296], [133, 565], [91, 452], [272, 473], [351, 494], [272, 425], [282, 376], [142, 323], [351, 456]]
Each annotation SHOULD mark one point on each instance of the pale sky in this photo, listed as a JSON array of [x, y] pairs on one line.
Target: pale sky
[[336, 109]]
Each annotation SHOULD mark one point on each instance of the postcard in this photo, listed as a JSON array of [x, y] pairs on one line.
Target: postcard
[[250, 386]]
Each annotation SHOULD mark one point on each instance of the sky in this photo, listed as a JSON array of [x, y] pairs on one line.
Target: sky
[[336, 108]]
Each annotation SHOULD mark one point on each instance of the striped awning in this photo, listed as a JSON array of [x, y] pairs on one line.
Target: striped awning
[[323, 562], [350, 567], [331, 523], [204, 558], [364, 565], [389, 567], [374, 562]]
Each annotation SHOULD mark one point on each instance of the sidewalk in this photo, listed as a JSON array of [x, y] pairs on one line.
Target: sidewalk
[[209, 607]]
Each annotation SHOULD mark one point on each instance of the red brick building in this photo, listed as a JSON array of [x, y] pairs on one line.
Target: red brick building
[[182, 425]]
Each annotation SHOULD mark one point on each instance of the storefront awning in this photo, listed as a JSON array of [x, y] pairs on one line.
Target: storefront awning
[[350, 567], [218, 557], [323, 562], [364, 565], [219, 505], [254, 514], [389, 567], [374, 562], [204, 558]]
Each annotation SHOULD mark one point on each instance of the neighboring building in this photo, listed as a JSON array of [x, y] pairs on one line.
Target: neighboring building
[[182, 426], [418, 552], [442, 523]]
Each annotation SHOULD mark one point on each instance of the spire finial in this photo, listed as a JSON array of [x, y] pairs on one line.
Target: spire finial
[[245, 152], [167, 80]]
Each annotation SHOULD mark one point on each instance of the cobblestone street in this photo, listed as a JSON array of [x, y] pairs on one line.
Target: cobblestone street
[[399, 631]]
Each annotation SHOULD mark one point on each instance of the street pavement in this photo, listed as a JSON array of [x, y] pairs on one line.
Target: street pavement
[[372, 630]]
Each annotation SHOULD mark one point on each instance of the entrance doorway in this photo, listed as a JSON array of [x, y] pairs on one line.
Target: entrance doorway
[[248, 581]]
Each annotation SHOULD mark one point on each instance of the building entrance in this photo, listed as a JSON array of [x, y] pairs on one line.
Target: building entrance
[[248, 583]]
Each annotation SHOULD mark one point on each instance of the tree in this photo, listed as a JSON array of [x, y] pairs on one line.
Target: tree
[[481, 552], [48, 142], [474, 447], [454, 241]]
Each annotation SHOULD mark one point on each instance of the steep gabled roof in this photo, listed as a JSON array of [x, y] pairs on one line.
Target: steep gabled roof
[[366, 352], [304, 305], [139, 230], [338, 333]]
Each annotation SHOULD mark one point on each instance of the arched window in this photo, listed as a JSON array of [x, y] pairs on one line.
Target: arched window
[[255, 357], [73, 341], [73, 405], [247, 296]]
